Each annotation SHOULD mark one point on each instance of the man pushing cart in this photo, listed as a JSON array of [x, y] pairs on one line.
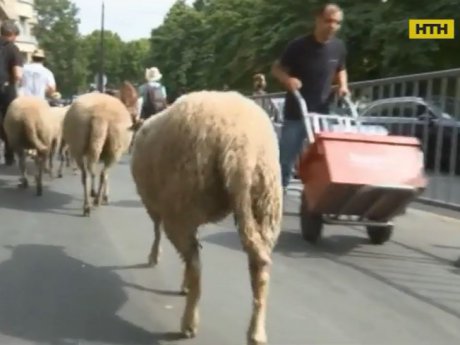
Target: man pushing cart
[[349, 177]]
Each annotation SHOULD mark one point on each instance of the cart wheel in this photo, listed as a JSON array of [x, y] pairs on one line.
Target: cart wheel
[[311, 224], [379, 234]]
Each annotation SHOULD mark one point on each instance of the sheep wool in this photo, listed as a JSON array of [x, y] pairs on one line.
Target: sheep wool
[[208, 155], [29, 126], [97, 128]]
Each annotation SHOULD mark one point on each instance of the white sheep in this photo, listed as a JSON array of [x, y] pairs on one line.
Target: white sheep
[[210, 154], [97, 127], [58, 144], [29, 126]]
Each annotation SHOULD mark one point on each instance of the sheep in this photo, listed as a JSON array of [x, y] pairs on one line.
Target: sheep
[[29, 127], [97, 127], [209, 154], [58, 143]]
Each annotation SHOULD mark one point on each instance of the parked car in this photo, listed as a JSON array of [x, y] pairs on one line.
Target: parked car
[[415, 116]]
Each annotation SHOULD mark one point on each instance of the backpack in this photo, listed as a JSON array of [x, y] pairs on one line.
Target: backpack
[[154, 101], [4, 68]]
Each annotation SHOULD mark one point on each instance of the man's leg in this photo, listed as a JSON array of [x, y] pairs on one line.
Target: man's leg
[[292, 138], [6, 97], [8, 154]]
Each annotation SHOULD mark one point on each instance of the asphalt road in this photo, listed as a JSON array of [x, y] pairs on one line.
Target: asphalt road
[[66, 279]]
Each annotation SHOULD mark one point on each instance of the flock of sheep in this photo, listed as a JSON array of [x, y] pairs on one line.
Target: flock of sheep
[[209, 154]]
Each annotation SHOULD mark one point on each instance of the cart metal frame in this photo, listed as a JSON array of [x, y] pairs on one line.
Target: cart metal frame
[[379, 230]]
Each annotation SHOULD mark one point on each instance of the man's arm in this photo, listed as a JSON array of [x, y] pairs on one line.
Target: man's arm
[[282, 68], [16, 65], [280, 73], [165, 95], [51, 87], [342, 78], [342, 74]]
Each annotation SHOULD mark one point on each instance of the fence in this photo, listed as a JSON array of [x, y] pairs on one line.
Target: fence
[[426, 106]]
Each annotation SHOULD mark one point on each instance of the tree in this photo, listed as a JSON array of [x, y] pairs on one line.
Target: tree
[[57, 33], [113, 55], [135, 60], [217, 42]]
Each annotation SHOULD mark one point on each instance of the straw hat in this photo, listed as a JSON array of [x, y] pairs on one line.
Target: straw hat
[[153, 74], [39, 53], [56, 95]]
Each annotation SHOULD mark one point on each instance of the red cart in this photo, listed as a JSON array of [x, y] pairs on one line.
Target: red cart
[[355, 174]]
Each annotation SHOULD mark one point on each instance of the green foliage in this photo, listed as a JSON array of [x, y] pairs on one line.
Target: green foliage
[[74, 59], [57, 34], [218, 42]]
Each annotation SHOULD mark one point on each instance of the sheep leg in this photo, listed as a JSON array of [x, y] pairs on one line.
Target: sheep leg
[[84, 181], [102, 187], [105, 191], [50, 157], [23, 182], [154, 256], [192, 280], [259, 263], [40, 162], [61, 161], [91, 168], [260, 276], [184, 239]]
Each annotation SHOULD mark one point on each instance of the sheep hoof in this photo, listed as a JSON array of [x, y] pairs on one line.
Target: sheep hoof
[[105, 200], [60, 175], [153, 260], [189, 331], [39, 191], [93, 193], [257, 339], [86, 211], [190, 324], [24, 183]]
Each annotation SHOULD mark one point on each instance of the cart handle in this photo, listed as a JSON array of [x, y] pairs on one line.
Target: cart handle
[[304, 112], [351, 105]]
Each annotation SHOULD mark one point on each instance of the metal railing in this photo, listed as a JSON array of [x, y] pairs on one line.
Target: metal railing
[[426, 106]]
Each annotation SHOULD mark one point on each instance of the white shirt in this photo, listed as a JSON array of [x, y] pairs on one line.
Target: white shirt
[[36, 80]]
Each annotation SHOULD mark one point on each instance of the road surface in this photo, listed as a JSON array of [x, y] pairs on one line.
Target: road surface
[[66, 279]]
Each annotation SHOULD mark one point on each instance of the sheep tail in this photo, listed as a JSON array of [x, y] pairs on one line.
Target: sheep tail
[[97, 136], [239, 183], [32, 136]]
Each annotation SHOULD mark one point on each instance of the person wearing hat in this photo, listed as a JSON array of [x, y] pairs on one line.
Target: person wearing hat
[[10, 75], [37, 80], [153, 93]]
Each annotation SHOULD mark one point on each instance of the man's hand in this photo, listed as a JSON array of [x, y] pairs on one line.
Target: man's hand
[[293, 84], [290, 83], [343, 91]]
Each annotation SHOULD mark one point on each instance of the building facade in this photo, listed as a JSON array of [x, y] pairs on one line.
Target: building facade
[[23, 12]]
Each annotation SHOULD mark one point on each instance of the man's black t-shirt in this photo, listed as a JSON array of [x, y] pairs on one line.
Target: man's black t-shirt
[[315, 64], [12, 57]]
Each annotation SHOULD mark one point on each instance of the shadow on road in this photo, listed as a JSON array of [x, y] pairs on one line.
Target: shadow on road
[[403, 267], [127, 203], [291, 244], [12, 197], [49, 297]]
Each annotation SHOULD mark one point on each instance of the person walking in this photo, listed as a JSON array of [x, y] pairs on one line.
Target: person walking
[[152, 93], [11, 63], [309, 64], [37, 79]]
